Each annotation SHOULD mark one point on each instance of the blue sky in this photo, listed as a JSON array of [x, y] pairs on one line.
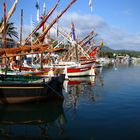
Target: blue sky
[[116, 21]]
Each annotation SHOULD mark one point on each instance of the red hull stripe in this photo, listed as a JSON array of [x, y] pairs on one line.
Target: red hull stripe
[[71, 70]]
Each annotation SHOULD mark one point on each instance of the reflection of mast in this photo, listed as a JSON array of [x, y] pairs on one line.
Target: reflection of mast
[[72, 98], [41, 37]]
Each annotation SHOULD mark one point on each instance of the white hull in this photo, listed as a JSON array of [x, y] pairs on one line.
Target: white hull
[[81, 72]]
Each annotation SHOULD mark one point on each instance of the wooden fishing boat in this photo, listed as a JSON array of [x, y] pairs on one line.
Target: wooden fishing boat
[[78, 71], [21, 78], [19, 92]]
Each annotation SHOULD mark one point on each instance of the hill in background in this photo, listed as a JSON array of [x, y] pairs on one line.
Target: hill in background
[[107, 51]]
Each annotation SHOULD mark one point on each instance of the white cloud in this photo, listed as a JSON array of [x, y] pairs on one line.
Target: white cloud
[[114, 37]]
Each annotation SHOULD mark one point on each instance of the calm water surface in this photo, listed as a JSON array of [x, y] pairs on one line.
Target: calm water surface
[[105, 107]]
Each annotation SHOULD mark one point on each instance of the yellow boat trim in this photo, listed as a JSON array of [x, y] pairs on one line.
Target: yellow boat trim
[[22, 87]]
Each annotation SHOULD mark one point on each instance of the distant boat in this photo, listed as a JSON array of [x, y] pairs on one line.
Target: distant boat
[[20, 92]]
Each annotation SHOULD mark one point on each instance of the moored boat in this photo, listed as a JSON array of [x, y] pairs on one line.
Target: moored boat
[[78, 71], [19, 92], [22, 78]]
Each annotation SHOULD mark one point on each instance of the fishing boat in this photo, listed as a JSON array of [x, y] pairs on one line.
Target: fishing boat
[[21, 78], [20, 92], [78, 71], [75, 69], [36, 47]]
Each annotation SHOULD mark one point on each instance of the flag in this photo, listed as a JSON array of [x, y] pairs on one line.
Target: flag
[[37, 7], [37, 4], [89, 42], [73, 32], [4, 6], [102, 44], [44, 9], [93, 53], [90, 5]]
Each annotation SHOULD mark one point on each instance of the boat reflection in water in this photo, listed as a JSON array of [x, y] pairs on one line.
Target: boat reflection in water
[[76, 88], [80, 82], [31, 121], [80, 85]]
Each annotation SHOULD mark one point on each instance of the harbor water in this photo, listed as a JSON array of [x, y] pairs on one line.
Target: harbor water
[[103, 107]]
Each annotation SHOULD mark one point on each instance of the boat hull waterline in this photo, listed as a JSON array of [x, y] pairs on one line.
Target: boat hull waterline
[[11, 92]]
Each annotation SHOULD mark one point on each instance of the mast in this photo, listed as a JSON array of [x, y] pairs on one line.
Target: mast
[[4, 36], [4, 21], [42, 22], [41, 37], [9, 14], [86, 37], [87, 41], [31, 30], [74, 42], [44, 13], [21, 24]]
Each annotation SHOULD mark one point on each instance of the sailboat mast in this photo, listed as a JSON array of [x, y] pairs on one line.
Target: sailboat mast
[[42, 22], [9, 15], [42, 36], [80, 42], [4, 31], [21, 24], [4, 37]]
